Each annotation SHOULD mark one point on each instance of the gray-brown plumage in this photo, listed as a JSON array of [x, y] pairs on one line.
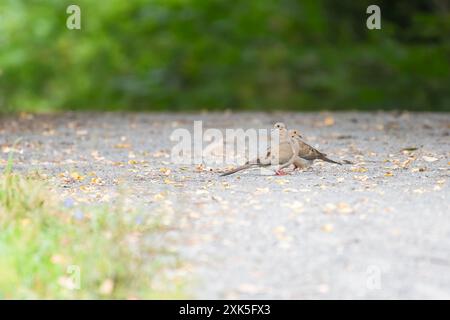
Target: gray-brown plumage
[[283, 157], [307, 152]]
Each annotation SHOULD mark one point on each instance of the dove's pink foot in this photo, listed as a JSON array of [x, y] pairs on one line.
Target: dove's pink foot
[[280, 173]]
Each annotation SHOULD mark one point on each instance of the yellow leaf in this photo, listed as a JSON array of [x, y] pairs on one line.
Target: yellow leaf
[[360, 169], [261, 190], [281, 181], [96, 180], [328, 121], [158, 196], [76, 176], [166, 171], [388, 174], [168, 181], [122, 146], [279, 230]]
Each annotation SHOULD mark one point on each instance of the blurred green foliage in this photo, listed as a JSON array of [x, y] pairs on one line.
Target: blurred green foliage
[[221, 54]]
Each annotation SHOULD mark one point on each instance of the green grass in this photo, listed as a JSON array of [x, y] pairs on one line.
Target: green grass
[[43, 245]]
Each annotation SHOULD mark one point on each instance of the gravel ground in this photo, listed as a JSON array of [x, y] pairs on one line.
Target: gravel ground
[[377, 228]]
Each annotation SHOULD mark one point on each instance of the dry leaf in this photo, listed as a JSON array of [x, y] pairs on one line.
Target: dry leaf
[[261, 190], [76, 176], [328, 121], [361, 178], [429, 159], [279, 230], [159, 196], [281, 181], [168, 181], [96, 180], [122, 146], [165, 171], [409, 149]]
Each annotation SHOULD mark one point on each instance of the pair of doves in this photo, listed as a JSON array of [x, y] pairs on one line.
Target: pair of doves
[[291, 150]]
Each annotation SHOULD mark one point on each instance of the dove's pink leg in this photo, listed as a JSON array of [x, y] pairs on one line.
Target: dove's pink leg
[[280, 173]]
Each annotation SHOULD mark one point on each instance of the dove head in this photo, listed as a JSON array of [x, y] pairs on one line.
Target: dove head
[[279, 125], [292, 134], [296, 133]]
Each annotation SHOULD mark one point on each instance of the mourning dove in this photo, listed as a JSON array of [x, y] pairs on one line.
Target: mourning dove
[[298, 162], [307, 152], [282, 156]]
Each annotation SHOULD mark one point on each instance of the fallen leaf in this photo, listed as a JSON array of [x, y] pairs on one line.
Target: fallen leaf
[[81, 132], [261, 190], [281, 181], [122, 146], [96, 180], [165, 171], [76, 176], [344, 207], [429, 159], [159, 196], [405, 164], [361, 178], [360, 169], [408, 149], [328, 121], [279, 230], [106, 287], [168, 181]]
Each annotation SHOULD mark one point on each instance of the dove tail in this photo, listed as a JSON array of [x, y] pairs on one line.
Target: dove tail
[[245, 166], [329, 160]]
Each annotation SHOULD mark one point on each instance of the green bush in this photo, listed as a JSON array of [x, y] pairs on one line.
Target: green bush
[[217, 54]]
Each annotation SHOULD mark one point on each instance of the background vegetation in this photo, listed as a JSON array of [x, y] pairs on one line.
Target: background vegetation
[[43, 242], [221, 54]]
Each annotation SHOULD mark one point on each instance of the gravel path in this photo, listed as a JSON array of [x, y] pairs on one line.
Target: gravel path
[[379, 228]]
